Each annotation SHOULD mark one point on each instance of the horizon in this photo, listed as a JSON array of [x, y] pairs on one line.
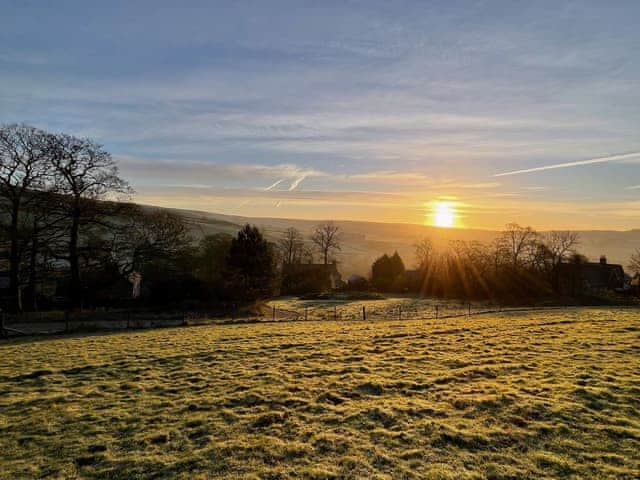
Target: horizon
[[352, 220], [458, 115]]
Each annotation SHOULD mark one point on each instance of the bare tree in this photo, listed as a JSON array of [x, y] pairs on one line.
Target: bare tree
[[327, 238], [424, 253], [561, 245], [23, 170], [634, 263], [517, 242], [142, 237], [291, 246], [85, 174]]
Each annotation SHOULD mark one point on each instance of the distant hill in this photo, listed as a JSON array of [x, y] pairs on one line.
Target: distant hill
[[363, 242]]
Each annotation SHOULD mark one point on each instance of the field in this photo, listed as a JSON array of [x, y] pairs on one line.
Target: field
[[400, 307], [527, 395]]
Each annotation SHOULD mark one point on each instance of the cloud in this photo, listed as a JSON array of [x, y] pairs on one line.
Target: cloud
[[391, 177], [163, 171], [579, 163]]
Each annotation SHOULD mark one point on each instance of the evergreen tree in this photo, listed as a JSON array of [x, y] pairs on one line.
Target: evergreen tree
[[250, 265]]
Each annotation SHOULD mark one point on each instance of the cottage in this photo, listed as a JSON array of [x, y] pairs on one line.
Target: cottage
[[590, 276], [300, 278]]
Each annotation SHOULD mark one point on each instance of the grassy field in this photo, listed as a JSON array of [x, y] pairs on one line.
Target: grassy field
[[405, 307], [537, 395]]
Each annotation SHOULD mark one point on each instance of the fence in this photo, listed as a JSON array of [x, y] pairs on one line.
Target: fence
[[62, 322], [46, 323], [345, 312], [425, 310]]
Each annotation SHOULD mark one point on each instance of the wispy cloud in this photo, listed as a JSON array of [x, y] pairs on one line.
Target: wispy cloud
[[579, 163]]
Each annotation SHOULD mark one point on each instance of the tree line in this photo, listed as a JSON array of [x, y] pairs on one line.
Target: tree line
[[67, 220], [66, 216], [520, 263]]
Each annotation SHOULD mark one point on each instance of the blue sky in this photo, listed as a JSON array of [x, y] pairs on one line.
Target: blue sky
[[364, 110]]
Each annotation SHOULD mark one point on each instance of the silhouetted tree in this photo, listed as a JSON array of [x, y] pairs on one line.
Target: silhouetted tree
[[634, 263], [327, 239], [85, 173], [424, 253], [517, 242], [387, 272], [561, 244], [212, 261], [151, 236], [250, 265], [291, 246], [24, 169]]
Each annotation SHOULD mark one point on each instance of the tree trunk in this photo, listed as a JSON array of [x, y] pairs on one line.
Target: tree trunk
[[75, 286], [14, 261], [33, 263]]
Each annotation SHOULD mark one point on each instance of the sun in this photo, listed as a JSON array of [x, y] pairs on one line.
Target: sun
[[443, 214]]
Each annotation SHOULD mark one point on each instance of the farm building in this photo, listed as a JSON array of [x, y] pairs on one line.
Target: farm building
[[591, 276], [300, 278]]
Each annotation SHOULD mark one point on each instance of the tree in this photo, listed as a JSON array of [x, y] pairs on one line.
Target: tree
[[291, 246], [150, 236], [327, 239], [424, 253], [561, 245], [24, 154], [85, 173], [387, 272], [634, 263], [250, 265], [516, 242], [212, 260], [41, 227]]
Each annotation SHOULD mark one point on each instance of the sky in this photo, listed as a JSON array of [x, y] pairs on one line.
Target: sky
[[502, 110]]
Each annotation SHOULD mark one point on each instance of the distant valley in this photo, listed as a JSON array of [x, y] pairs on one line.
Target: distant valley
[[363, 242]]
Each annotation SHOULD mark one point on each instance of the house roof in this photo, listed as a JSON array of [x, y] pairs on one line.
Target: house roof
[[597, 274]]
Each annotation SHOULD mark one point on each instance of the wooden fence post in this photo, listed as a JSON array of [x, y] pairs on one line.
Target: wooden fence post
[[273, 315], [400, 312], [437, 308], [469, 309], [335, 313], [306, 309], [364, 313]]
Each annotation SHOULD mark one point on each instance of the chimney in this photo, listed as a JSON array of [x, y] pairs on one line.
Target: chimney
[[603, 259]]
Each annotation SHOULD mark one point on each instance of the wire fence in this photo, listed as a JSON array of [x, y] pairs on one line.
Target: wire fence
[[413, 309], [369, 312], [47, 323]]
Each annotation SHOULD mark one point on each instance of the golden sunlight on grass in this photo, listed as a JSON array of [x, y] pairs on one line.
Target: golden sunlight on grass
[[529, 395], [443, 214]]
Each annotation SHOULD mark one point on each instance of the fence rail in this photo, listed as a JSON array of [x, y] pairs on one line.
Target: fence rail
[[63, 322], [364, 312]]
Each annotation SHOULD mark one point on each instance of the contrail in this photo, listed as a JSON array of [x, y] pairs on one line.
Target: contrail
[[271, 187], [296, 182], [609, 158]]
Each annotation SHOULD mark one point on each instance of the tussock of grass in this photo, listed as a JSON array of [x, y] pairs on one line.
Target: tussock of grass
[[518, 396]]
